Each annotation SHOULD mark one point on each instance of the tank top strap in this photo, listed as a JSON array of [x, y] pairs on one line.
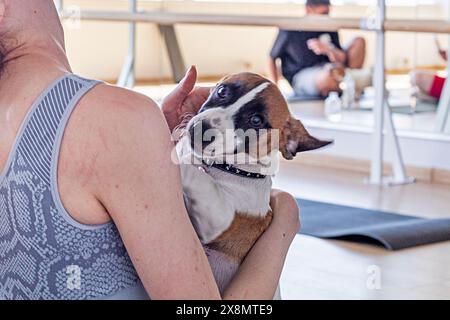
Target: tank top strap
[[42, 130]]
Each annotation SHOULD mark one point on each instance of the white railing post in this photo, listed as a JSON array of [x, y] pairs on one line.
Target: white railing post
[[382, 112], [376, 171], [127, 75], [443, 111], [59, 4]]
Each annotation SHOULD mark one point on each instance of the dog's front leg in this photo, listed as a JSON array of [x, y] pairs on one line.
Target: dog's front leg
[[210, 212]]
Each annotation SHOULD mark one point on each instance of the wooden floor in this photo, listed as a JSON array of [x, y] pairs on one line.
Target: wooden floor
[[330, 269]]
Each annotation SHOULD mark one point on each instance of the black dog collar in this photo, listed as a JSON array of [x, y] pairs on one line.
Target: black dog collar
[[233, 170]]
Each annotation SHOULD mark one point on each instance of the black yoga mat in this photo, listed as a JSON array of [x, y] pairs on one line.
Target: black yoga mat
[[390, 230]]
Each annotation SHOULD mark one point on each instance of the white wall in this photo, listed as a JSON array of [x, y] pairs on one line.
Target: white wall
[[97, 49]]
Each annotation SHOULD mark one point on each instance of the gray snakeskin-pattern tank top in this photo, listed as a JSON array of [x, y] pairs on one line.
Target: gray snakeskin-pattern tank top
[[44, 253]]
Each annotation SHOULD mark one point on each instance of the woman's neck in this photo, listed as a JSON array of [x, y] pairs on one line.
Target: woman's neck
[[27, 71], [38, 57]]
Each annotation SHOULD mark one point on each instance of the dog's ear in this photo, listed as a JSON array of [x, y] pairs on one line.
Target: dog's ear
[[294, 138]]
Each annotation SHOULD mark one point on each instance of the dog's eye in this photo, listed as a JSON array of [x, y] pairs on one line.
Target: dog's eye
[[223, 92], [256, 121]]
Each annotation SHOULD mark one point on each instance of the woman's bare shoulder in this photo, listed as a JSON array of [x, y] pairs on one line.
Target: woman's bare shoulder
[[114, 118], [111, 127], [106, 97], [112, 112]]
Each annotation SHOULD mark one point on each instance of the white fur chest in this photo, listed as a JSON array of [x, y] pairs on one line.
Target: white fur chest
[[246, 195]]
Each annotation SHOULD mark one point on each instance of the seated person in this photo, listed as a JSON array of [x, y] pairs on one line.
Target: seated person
[[428, 82], [309, 59]]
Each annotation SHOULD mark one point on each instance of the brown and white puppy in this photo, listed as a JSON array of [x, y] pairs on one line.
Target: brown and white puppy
[[227, 161]]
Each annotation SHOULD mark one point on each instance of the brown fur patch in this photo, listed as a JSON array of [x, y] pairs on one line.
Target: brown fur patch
[[278, 110], [240, 237], [251, 80], [278, 114], [293, 137]]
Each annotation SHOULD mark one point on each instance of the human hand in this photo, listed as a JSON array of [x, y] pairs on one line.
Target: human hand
[[285, 213], [185, 99], [318, 47]]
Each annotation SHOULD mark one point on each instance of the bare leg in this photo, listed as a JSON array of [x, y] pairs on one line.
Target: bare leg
[[356, 53], [326, 82], [423, 80]]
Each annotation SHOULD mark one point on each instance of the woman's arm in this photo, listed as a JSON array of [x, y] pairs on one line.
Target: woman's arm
[[259, 274]]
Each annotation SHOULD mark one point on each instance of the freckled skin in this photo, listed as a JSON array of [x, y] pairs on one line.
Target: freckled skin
[[104, 140], [87, 171]]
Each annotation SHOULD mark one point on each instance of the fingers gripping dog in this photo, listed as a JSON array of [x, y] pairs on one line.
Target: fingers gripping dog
[[228, 155]]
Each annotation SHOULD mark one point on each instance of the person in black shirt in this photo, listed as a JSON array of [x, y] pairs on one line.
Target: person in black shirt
[[309, 59]]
